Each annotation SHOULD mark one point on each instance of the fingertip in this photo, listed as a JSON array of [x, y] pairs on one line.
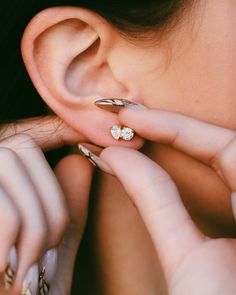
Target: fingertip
[[27, 282], [111, 153], [123, 161], [119, 153], [127, 115], [138, 144], [74, 173], [135, 143], [73, 164]]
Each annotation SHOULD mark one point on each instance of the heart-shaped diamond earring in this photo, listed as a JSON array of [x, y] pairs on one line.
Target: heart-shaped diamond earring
[[125, 133]]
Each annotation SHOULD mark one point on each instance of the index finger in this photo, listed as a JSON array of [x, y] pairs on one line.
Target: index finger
[[196, 138], [48, 132]]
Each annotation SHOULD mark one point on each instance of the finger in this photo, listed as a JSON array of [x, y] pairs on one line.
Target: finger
[[157, 199], [49, 191], [211, 144], [74, 174], [9, 226], [195, 138], [48, 132], [26, 199]]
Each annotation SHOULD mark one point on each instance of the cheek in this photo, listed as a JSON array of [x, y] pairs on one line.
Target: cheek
[[194, 73], [204, 89]]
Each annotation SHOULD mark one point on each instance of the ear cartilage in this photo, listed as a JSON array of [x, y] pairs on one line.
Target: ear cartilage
[[125, 133]]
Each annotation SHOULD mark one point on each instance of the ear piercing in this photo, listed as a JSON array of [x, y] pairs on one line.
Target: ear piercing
[[125, 133], [114, 105]]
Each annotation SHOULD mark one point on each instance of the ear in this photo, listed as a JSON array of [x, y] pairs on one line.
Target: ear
[[66, 52]]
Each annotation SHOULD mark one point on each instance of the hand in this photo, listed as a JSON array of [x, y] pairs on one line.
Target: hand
[[192, 262], [34, 210]]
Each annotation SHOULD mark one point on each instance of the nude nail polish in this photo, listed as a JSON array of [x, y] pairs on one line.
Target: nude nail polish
[[94, 159], [30, 284], [48, 267], [114, 105]]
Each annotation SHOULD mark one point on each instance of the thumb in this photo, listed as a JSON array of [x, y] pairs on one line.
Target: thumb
[[157, 199], [74, 174]]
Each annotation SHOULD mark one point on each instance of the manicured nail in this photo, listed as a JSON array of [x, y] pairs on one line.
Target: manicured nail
[[30, 284], [48, 267], [94, 159], [115, 104], [10, 269]]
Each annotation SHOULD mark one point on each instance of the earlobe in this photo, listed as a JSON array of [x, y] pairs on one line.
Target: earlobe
[[66, 50]]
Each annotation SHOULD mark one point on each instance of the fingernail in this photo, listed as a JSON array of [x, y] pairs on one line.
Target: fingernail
[[10, 269], [30, 284], [48, 267], [94, 159], [114, 105]]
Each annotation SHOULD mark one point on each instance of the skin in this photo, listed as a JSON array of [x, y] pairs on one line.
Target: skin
[[189, 259], [189, 71], [29, 223], [194, 48]]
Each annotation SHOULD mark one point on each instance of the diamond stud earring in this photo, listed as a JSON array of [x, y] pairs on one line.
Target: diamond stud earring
[[125, 133]]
